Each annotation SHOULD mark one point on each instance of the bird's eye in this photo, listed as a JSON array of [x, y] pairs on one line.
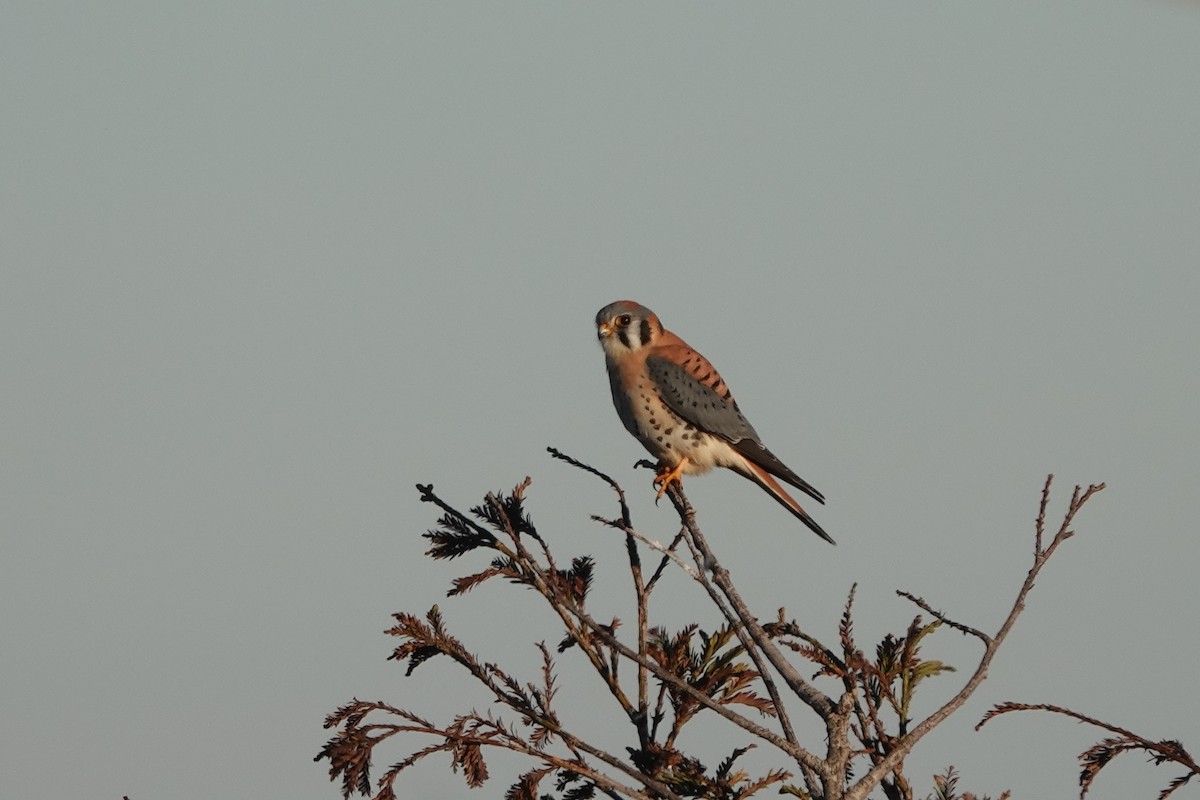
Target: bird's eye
[[624, 320]]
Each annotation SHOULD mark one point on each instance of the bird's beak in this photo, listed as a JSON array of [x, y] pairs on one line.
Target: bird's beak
[[603, 330]]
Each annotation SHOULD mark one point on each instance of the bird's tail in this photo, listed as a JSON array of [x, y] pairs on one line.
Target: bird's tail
[[767, 482]]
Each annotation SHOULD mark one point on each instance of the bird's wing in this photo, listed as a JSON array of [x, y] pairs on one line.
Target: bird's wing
[[692, 393]]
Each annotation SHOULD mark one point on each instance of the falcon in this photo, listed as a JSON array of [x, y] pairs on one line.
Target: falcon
[[675, 403]]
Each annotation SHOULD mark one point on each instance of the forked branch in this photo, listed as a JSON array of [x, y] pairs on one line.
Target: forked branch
[[741, 664]]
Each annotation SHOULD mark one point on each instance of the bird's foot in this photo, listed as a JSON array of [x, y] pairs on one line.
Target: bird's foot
[[667, 476]]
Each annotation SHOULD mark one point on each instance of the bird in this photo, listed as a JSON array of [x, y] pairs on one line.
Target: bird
[[676, 404]]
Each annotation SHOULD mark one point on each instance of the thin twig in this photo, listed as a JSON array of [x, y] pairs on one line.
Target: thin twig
[[574, 462], [958, 626], [653, 545], [640, 587], [668, 555]]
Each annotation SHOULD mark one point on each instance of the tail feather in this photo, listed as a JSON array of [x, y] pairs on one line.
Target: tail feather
[[756, 453], [772, 487]]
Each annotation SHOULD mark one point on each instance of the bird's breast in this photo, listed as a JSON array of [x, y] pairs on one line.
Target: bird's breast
[[667, 437]]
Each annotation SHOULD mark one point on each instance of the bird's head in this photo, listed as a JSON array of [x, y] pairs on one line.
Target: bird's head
[[624, 327]]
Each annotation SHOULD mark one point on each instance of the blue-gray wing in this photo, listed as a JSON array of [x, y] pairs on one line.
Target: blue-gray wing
[[701, 405], [698, 403]]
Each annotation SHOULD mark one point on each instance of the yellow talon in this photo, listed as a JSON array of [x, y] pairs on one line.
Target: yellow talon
[[667, 476]]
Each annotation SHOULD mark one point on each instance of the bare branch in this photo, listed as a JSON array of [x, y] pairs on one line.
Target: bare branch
[[556, 453], [864, 785], [815, 699], [668, 553], [964, 629]]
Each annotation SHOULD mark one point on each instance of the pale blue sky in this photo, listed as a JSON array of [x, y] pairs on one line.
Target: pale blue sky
[[264, 266]]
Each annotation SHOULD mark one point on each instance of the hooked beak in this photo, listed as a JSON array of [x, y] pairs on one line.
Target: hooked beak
[[603, 330]]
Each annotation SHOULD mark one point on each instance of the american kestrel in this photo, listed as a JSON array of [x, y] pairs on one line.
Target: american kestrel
[[674, 402]]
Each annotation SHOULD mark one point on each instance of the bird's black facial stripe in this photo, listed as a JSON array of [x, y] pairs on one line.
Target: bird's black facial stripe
[[623, 335], [644, 330]]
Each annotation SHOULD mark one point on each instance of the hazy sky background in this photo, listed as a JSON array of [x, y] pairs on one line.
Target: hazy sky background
[[264, 266]]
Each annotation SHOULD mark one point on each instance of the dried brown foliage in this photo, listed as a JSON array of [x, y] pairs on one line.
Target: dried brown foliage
[[1101, 754], [945, 787], [663, 680]]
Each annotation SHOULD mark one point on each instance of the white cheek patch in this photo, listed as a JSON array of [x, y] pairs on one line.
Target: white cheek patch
[[613, 348]]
